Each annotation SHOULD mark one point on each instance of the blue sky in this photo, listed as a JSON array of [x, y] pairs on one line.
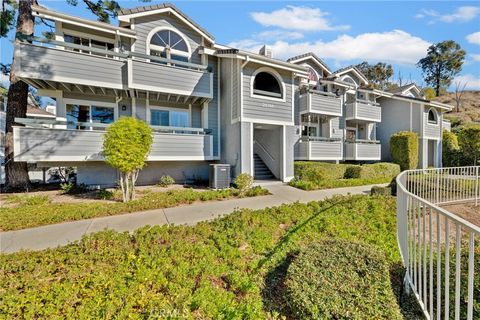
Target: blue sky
[[340, 32]]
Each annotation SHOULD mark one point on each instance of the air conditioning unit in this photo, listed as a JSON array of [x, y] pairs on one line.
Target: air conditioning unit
[[219, 176]]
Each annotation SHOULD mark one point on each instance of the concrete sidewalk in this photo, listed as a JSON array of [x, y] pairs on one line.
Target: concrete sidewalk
[[51, 236]]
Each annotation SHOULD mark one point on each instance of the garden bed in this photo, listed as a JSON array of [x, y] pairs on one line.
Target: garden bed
[[20, 211], [233, 267], [311, 175]]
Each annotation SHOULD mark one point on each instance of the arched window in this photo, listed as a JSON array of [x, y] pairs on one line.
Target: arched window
[[169, 44], [349, 79], [312, 74], [266, 84], [432, 116]]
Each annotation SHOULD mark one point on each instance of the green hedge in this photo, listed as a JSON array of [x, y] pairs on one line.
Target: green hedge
[[469, 141], [450, 150], [319, 175], [340, 279], [404, 149], [377, 190]]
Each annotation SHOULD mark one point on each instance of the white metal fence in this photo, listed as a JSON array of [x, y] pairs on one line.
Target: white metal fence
[[440, 250]]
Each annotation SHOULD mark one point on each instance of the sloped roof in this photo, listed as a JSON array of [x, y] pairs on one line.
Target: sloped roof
[[310, 55], [125, 12], [404, 88], [36, 111], [341, 70]]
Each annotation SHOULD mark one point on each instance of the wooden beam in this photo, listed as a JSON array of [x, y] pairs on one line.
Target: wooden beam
[[50, 84], [195, 100], [185, 99], [168, 97], [79, 87], [103, 90], [66, 86], [92, 89], [158, 95], [178, 98]]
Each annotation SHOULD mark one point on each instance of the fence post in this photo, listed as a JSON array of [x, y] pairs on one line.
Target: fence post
[[476, 186], [438, 185]]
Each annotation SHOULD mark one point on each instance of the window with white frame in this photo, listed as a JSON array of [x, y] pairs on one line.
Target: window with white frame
[[266, 84], [432, 116], [102, 45], [169, 117], [169, 44], [78, 115]]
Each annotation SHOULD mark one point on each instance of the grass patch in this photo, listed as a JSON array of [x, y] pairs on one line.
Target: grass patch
[[231, 268], [317, 175], [32, 211]]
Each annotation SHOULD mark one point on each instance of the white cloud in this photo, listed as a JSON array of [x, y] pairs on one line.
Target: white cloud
[[461, 14], [392, 46], [475, 56], [272, 35], [297, 18], [474, 38], [472, 81]]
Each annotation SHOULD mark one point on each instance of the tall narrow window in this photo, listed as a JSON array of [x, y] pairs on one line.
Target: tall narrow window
[[170, 45], [432, 116], [266, 84]]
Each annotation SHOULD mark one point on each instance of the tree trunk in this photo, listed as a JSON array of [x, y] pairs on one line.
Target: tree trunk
[[16, 173]]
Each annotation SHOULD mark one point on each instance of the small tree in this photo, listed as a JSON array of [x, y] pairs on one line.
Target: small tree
[[404, 149], [429, 93], [469, 142], [459, 91], [126, 146]]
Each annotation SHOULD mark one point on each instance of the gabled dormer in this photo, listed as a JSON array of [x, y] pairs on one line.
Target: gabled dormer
[[351, 75], [163, 30], [317, 69], [409, 90]]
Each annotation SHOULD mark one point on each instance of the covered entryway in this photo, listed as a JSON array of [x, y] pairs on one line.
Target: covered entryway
[[267, 151]]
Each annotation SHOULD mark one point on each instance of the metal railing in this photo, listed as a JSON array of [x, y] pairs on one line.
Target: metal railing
[[48, 123], [437, 246]]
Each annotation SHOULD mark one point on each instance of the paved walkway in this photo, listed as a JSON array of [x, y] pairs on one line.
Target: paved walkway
[[54, 235]]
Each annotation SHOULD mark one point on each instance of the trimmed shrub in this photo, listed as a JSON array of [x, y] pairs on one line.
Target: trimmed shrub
[[353, 172], [404, 149], [450, 149], [340, 279], [244, 183], [378, 190], [469, 142], [166, 181]]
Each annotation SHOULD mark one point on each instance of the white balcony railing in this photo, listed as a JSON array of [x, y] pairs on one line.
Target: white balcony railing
[[367, 150], [437, 246], [364, 111]]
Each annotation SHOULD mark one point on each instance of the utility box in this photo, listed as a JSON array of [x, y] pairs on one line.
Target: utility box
[[219, 176]]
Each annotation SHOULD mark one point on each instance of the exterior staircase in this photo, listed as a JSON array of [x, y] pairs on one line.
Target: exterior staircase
[[261, 171]]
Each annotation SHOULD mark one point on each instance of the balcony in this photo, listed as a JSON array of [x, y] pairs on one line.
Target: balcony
[[366, 150], [320, 102], [317, 148], [56, 65], [38, 143], [361, 110]]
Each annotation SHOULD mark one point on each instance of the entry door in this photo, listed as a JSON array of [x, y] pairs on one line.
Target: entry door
[[351, 135]]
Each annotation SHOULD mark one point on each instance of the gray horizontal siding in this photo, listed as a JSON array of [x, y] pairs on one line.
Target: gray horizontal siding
[[45, 63], [235, 89], [144, 25], [365, 111], [337, 124], [430, 130], [265, 109], [301, 150], [327, 104], [39, 144], [162, 78], [325, 150], [365, 150], [213, 106]]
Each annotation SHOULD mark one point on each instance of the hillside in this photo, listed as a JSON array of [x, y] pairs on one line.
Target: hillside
[[469, 109]]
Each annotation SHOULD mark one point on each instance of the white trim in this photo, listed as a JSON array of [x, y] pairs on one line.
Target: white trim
[[310, 57], [218, 108], [277, 76], [127, 17], [252, 163], [134, 107], [94, 25], [284, 154], [204, 114], [89, 102], [436, 123], [171, 91], [349, 77], [266, 121], [83, 82], [359, 75], [159, 48], [16, 141], [293, 98]]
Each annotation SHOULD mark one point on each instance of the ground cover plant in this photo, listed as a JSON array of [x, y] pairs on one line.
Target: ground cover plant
[[231, 268], [32, 211], [318, 175]]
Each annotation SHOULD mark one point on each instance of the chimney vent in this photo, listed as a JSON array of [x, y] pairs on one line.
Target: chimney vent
[[266, 51]]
